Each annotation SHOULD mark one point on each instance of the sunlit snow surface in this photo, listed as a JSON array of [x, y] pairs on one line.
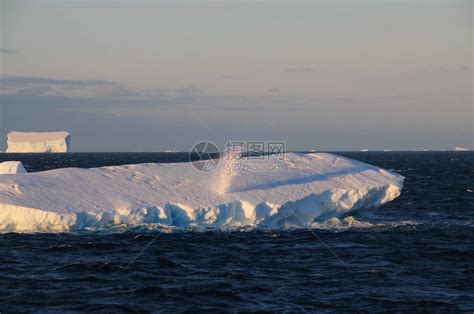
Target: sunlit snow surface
[[298, 191]]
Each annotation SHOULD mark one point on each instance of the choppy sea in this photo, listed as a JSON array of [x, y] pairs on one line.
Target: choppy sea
[[413, 254]]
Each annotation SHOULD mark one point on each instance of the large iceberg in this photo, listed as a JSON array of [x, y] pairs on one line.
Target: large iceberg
[[38, 142], [298, 191]]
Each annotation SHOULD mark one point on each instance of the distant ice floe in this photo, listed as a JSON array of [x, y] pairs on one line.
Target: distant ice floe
[[38, 142], [11, 167], [299, 191]]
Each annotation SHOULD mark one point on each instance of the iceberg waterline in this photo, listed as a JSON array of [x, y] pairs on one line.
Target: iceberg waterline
[[301, 189]]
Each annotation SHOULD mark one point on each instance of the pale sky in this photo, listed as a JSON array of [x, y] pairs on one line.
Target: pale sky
[[326, 75]]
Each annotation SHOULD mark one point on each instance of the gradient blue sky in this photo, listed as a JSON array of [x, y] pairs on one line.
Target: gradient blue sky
[[328, 75]]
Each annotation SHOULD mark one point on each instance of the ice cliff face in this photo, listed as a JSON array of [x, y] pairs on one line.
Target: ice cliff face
[[11, 167], [38, 142], [298, 191]]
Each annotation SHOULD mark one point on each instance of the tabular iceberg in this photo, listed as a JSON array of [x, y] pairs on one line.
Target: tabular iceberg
[[11, 167], [38, 142], [294, 192]]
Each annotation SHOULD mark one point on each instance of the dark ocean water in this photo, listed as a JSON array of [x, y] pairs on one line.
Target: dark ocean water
[[415, 253]]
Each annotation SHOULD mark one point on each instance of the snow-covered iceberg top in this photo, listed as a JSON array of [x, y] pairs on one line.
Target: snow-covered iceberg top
[[38, 142], [294, 192], [11, 167]]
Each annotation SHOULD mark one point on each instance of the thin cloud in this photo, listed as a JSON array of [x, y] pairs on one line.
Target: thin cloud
[[300, 70], [8, 51], [13, 80], [97, 89], [185, 93], [274, 90], [445, 69], [34, 91], [114, 90], [41, 86], [225, 76]]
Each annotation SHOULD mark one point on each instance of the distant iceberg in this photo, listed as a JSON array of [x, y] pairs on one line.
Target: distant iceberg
[[11, 167], [461, 149], [299, 191], [38, 142]]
